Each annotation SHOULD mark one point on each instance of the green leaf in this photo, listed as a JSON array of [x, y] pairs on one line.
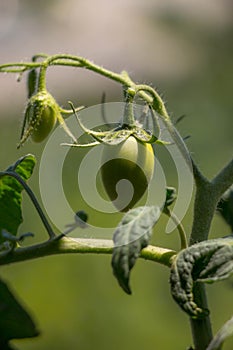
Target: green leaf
[[6, 346], [15, 322], [24, 166], [225, 332], [10, 194], [208, 261], [131, 236]]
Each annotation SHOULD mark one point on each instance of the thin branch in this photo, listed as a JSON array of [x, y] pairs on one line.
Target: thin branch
[[33, 199], [81, 246], [148, 93], [19, 67], [198, 176], [180, 228], [224, 179], [158, 103], [206, 199], [77, 61]]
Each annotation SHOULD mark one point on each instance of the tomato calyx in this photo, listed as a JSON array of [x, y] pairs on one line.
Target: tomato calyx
[[115, 136]]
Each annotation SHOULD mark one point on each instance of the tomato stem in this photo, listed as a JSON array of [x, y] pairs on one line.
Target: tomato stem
[[180, 227], [65, 245], [128, 117], [42, 78], [146, 92]]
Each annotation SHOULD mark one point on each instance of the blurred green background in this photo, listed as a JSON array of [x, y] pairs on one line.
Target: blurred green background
[[185, 50]]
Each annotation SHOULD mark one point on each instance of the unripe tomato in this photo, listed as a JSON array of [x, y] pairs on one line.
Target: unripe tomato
[[40, 116], [130, 160], [45, 124]]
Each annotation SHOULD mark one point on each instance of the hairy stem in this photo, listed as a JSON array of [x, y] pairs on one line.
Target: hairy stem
[[146, 92], [201, 328], [207, 196], [224, 179], [204, 207], [206, 199], [128, 117], [84, 246], [42, 78], [157, 102]]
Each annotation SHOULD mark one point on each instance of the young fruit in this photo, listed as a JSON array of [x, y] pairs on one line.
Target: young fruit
[[45, 124], [131, 161], [40, 118]]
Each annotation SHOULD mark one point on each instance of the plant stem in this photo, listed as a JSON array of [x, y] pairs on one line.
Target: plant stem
[[42, 78], [77, 61], [224, 179], [128, 117], [19, 67], [201, 328], [204, 207], [157, 101], [207, 196], [145, 91], [180, 228], [206, 199], [84, 246]]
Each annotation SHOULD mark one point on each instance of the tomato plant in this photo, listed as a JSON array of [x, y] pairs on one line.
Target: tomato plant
[[127, 155]]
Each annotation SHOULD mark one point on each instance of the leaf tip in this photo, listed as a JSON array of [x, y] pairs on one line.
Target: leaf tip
[[127, 289]]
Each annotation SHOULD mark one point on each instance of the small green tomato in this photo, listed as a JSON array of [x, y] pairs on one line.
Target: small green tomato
[[41, 115], [45, 124], [130, 160]]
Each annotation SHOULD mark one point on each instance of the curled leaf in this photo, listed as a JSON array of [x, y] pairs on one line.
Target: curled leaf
[[131, 236], [208, 261]]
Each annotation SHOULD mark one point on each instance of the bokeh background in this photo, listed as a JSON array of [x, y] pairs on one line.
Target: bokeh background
[[184, 48]]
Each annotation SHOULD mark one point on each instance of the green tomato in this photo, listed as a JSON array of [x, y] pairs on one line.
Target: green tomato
[[45, 124], [40, 117], [130, 160]]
